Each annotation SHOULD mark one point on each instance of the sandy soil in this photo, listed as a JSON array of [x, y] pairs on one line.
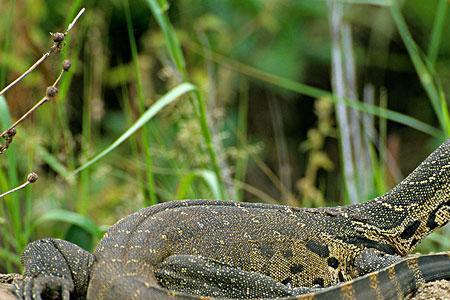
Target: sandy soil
[[435, 290], [5, 293]]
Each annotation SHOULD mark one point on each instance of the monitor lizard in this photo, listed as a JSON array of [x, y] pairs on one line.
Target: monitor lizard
[[249, 250]]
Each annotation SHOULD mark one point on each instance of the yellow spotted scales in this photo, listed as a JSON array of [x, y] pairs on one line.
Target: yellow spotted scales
[[198, 248]]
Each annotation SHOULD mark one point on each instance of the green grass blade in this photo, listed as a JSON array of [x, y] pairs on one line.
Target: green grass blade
[[148, 115], [159, 9], [184, 185], [421, 64], [436, 33], [141, 104], [211, 180], [207, 176], [71, 218], [134, 141]]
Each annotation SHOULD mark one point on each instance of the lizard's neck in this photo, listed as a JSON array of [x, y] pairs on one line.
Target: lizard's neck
[[416, 206]]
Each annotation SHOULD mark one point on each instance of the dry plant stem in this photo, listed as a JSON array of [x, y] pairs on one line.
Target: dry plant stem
[[36, 106], [32, 177], [284, 169], [56, 45], [75, 20], [336, 11]]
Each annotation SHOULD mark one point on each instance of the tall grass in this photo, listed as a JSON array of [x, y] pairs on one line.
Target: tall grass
[[159, 10], [423, 66]]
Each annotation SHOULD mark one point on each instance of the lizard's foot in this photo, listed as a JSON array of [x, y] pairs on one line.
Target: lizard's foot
[[206, 277], [53, 268], [33, 288]]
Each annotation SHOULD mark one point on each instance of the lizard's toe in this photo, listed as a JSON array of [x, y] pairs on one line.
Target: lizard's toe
[[32, 288], [52, 285], [22, 288]]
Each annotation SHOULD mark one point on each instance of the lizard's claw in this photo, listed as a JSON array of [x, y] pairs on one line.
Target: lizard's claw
[[32, 288]]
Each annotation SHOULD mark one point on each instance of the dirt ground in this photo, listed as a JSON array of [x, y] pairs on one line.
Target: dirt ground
[[5, 294], [435, 290]]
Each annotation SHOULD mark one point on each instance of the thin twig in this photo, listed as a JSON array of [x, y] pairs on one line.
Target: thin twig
[[75, 20], [31, 178], [58, 39], [49, 95]]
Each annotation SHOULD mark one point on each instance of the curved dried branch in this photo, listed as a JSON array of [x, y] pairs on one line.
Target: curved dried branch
[[58, 39]]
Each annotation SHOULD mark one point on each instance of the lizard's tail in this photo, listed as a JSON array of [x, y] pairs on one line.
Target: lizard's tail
[[393, 282]]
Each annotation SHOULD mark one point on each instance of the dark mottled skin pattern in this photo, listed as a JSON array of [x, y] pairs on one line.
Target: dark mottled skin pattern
[[244, 250]]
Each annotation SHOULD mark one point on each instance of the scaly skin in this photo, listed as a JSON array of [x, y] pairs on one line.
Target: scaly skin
[[244, 250]]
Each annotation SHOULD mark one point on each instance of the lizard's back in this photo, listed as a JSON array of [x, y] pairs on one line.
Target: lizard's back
[[296, 247]]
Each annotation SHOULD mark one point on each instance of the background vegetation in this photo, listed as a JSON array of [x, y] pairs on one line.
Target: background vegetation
[[305, 103]]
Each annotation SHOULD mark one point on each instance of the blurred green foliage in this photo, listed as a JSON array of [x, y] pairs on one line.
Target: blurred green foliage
[[259, 65]]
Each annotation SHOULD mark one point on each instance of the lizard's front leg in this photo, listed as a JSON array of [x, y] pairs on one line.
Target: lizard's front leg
[[207, 277], [54, 267]]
